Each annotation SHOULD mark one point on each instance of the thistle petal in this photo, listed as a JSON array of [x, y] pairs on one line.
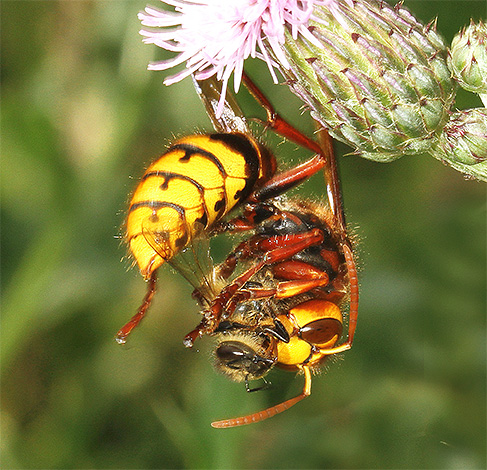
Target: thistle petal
[[215, 37]]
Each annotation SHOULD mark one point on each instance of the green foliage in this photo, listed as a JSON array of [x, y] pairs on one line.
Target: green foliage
[[80, 117]]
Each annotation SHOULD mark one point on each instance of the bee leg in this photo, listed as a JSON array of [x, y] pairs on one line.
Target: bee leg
[[325, 157], [283, 290], [294, 269], [257, 244], [236, 225], [122, 334], [300, 277], [213, 315], [323, 149], [269, 412], [264, 386], [243, 251]]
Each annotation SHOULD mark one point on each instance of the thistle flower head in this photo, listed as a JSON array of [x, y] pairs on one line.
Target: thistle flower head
[[378, 79], [463, 143], [468, 58], [371, 74], [216, 36]]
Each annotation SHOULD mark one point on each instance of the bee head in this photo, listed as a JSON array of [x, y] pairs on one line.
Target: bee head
[[245, 356]]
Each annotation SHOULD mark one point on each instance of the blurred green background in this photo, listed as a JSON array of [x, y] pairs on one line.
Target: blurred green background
[[82, 117]]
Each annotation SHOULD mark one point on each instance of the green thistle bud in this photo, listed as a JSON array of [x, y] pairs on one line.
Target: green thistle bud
[[463, 143], [374, 76], [468, 58]]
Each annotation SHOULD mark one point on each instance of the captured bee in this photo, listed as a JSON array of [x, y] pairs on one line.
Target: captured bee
[[190, 189]]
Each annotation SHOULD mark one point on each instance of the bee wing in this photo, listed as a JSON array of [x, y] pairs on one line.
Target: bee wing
[[194, 262], [232, 118]]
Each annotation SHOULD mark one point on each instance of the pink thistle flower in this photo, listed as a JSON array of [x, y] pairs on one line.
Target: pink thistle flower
[[216, 36]]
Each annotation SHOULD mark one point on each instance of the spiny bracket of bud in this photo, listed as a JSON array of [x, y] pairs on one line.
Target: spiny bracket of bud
[[375, 77], [468, 59], [463, 143]]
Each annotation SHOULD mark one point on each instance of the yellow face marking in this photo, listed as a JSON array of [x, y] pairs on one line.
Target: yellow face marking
[[293, 353], [298, 350]]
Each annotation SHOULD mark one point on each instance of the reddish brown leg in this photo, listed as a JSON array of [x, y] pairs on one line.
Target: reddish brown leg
[[276, 186], [280, 248], [353, 313], [269, 412], [276, 122], [283, 290], [122, 334], [283, 248], [258, 245], [352, 276], [292, 269], [233, 120], [243, 251], [297, 278], [281, 183]]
